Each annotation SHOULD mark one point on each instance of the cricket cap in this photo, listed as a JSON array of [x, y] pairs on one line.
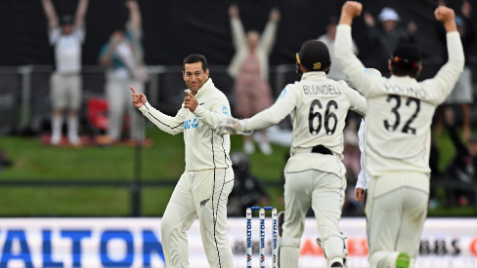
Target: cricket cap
[[407, 56], [314, 56]]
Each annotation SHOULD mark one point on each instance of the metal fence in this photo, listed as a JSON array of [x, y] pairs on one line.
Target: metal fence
[[25, 104]]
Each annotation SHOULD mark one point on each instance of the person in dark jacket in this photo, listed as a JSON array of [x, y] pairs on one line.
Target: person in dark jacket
[[247, 191], [463, 167]]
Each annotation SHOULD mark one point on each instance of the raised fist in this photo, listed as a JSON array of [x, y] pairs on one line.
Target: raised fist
[[352, 8], [444, 14]]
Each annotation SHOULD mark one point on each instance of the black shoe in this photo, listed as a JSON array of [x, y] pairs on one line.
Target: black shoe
[[337, 264]]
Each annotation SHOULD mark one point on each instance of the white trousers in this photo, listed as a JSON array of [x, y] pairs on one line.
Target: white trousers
[[395, 211], [202, 194], [325, 193], [120, 101]]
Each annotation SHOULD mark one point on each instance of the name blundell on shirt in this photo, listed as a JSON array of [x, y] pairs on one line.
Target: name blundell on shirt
[[411, 91], [321, 90]]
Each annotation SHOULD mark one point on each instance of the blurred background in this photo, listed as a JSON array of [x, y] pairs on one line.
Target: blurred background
[[128, 176]]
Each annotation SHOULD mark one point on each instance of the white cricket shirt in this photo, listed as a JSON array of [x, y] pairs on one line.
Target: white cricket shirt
[[363, 177], [204, 148], [318, 107], [400, 109], [67, 49]]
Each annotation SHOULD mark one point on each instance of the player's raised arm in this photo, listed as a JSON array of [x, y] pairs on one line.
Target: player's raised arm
[[284, 105], [50, 13], [443, 83], [168, 124], [81, 13], [353, 68]]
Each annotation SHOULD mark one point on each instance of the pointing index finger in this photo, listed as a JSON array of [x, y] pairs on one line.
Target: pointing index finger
[[188, 93], [133, 90]]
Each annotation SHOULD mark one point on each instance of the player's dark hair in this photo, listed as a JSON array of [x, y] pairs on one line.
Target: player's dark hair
[[398, 70], [406, 61], [193, 58]]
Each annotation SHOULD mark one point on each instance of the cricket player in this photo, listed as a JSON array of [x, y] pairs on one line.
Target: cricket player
[[207, 181], [397, 148], [314, 173], [67, 36]]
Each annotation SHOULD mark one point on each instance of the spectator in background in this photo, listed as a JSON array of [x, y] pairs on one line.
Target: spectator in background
[[123, 57], [336, 71], [249, 67], [388, 37], [462, 93], [463, 167], [67, 37], [247, 190]]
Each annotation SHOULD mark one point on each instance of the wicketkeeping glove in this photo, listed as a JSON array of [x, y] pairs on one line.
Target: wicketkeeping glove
[[232, 126]]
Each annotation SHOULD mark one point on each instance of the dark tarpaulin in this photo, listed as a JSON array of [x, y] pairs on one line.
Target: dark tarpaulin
[[176, 28]]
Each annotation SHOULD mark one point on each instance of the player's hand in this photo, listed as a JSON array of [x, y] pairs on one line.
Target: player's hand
[[138, 99], [359, 194], [231, 126], [352, 8], [233, 11], [447, 17], [275, 15], [444, 14], [190, 102]]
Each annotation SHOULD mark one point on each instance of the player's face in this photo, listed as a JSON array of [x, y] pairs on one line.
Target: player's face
[[194, 76], [252, 39], [66, 28]]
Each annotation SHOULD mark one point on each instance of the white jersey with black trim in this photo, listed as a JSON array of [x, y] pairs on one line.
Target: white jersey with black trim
[[318, 107], [400, 109], [204, 148]]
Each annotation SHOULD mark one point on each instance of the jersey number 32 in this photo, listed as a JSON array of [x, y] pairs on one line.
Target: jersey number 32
[[395, 110]]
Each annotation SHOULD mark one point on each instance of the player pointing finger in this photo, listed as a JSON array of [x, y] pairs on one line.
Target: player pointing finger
[[139, 99], [190, 102]]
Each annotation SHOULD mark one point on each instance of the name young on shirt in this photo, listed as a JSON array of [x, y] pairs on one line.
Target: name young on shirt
[[411, 91], [321, 90]]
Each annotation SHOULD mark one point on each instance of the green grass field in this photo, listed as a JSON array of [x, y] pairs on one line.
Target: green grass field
[[164, 161]]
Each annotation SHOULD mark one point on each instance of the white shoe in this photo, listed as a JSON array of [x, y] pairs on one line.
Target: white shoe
[[265, 148], [248, 147], [74, 139], [55, 139]]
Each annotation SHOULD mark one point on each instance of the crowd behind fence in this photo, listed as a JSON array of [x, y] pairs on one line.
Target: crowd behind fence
[[25, 106]]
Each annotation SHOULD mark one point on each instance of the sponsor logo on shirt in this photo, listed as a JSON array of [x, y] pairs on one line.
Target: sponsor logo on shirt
[[188, 124], [203, 202], [225, 111]]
